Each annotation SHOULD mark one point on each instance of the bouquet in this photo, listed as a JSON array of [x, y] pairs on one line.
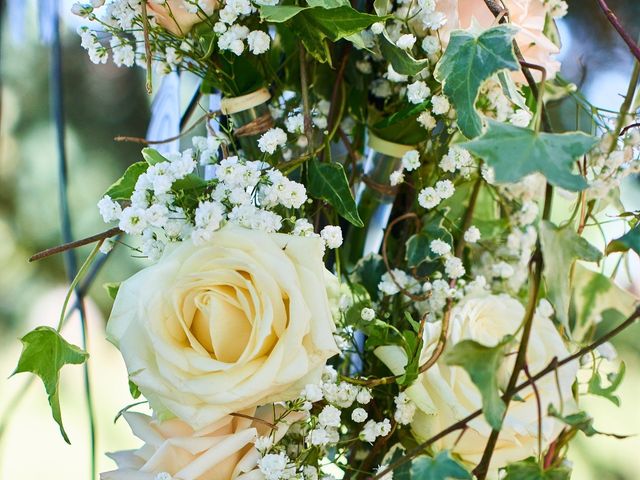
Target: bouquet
[[376, 259]]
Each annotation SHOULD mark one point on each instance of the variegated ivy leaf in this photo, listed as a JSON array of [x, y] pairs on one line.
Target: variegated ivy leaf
[[468, 61], [515, 152], [440, 467]]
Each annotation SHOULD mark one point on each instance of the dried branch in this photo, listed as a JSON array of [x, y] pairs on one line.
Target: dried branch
[[112, 232], [613, 20]]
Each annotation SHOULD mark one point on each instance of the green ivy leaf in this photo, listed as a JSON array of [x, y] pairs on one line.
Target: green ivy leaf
[[403, 114], [124, 186], [368, 272], [581, 421], [328, 182], [615, 379], [467, 62], [628, 241], [314, 24], [516, 152], [152, 156], [561, 247], [482, 364], [400, 59], [442, 467], [530, 470], [44, 353]]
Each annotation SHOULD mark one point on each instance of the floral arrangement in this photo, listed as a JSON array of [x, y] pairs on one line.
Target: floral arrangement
[[375, 262]]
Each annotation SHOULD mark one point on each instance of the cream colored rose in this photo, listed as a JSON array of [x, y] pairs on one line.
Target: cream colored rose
[[445, 394], [528, 15], [222, 451], [238, 322], [176, 17]]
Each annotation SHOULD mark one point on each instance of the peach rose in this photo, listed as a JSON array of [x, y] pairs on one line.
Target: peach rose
[[240, 321], [177, 17], [528, 15], [222, 451]]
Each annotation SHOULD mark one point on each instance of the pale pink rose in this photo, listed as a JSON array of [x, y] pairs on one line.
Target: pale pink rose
[[222, 451], [175, 17], [528, 15]]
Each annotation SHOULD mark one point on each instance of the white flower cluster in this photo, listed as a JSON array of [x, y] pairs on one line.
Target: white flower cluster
[[430, 197], [458, 159]]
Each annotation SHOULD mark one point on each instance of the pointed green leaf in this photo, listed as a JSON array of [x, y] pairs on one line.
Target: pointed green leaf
[[629, 241], [615, 379], [560, 249], [442, 467], [124, 186], [112, 289], [482, 364], [467, 62], [44, 353], [328, 182], [581, 421], [400, 59], [152, 156], [530, 470], [516, 152]]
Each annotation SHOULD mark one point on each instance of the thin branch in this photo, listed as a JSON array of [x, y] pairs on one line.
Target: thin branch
[[144, 141], [304, 87], [112, 232], [629, 127], [551, 367], [613, 20], [147, 47]]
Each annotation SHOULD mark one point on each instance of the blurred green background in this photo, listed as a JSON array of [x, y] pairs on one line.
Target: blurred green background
[[103, 101]]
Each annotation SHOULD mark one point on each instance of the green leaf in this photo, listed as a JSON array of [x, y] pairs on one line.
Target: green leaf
[[124, 186], [516, 152], [153, 156], [190, 182], [44, 353], [561, 247], [328, 182], [407, 112], [581, 421], [112, 289], [482, 364], [417, 250], [615, 379], [368, 272], [400, 59], [134, 390], [442, 467], [382, 7], [629, 241], [467, 62], [328, 3], [314, 24], [530, 470]]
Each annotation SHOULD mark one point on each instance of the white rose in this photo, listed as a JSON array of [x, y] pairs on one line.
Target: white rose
[[239, 321], [445, 394], [223, 450]]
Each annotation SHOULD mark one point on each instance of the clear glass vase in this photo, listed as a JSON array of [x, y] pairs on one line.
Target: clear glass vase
[[250, 117]]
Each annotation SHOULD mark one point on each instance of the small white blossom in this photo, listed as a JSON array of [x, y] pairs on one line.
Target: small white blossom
[[132, 221], [367, 314], [396, 178], [319, 437], [364, 396], [332, 236], [259, 42], [329, 416], [521, 118], [453, 267], [377, 28], [472, 235], [411, 160], [263, 443], [431, 44], [427, 121], [405, 409], [109, 209], [406, 41], [312, 393], [444, 189], [439, 247], [417, 92], [271, 140], [359, 415], [440, 104], [273, 465], [394, 76], [428, 198]]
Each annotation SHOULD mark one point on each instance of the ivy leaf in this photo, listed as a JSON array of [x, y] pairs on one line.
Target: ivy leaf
[[407, 112], [530, 470], [467, 62], [418, 248], [516, 152], [561, 247], [314, 24], [124, 186], [581, 421], [152, 156], [368, 272], [629, 241], [328, 182], [44, 353], [400, 59], [439, 468], [615, 379], [482, 364]]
